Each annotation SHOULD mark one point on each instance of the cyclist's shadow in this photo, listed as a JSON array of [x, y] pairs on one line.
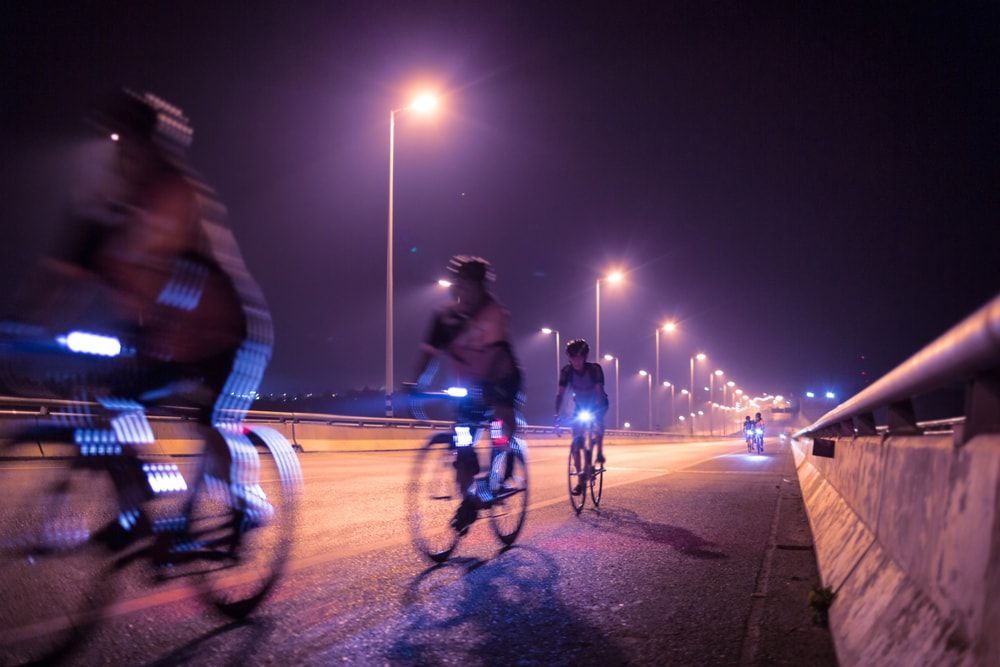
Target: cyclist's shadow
[[628, 523], [240, 641], [501, 611]]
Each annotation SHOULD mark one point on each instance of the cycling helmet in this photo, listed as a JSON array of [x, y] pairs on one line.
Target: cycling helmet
[[145, 118], [757, 415], [577, 347], [468, 267]]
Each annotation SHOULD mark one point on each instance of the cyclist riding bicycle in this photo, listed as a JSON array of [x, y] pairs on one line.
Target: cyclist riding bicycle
[[587, 383], [747, 429], [473, 336], [154, 263]]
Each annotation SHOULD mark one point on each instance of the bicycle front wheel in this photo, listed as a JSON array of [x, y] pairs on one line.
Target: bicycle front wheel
[[510, 497], [596, 483], [576, 501], [57, 577], [433, 497]]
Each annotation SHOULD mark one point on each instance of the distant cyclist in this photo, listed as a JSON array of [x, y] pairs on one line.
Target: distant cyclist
[[586, 381], [747, 429], [152, 248], [472, 336]]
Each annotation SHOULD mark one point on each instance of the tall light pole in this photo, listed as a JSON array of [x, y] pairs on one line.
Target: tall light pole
[[614, 277], [649, 400], [698, 357], [669, 384], [666, 327], [423, 104], [618, 395], [548, 332], [711, 399]]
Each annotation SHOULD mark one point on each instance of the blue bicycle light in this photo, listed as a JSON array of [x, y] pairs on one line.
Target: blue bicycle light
[[586, 416], [457, 392], [82, 342]]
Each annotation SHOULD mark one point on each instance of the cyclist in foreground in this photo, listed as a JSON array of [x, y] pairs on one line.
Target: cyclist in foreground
[[586, 380], [153, 263], [472, 335]]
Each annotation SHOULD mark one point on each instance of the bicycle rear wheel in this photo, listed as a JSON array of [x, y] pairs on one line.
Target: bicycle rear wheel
[[573, 477], [433, 497], [239, 536], [57, 579], [510, 503]]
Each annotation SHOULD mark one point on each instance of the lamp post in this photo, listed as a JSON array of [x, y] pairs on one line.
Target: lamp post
[[649, 400], [711, 399], [423, 104], [699, 357], [670, 384], [666, 327], [614, 277], [548, 332], [618, 384]]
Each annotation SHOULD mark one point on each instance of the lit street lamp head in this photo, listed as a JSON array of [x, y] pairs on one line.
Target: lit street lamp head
[[666, 384], [643, 373], [718, 373], [669, 327], [609, 357], [730, 384], [424, 103], [444, 283], [700, 356], [547, 331], [615, 277]]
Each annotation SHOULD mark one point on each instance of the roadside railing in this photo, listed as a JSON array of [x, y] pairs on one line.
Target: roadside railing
[[968, 353], [12, 407]]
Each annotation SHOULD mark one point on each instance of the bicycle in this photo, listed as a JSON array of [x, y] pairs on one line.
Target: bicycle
[[434, 494], [758, 439], [63, 556], [594, 476]]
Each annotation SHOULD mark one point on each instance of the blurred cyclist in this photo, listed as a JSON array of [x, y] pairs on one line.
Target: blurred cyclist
[[591, 403], [472, 335], [154, 250]]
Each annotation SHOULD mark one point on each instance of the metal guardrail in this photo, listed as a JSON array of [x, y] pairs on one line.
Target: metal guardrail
[[967, 353], [40, 407]]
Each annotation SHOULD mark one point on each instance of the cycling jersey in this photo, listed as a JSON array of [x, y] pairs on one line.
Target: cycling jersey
[[585, 385], [478, 348]]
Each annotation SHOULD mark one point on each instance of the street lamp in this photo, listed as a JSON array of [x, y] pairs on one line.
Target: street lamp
[[614, 278], [618, 402], [423, 104], [548, 332], [711, 397], [666, 327], [649, 400], [698, 357], [670, 384]]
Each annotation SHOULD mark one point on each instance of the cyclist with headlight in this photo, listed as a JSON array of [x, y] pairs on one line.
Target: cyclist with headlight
[[586, 380]]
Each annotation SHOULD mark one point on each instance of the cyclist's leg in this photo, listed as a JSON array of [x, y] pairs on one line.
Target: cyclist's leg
[[598, 434]]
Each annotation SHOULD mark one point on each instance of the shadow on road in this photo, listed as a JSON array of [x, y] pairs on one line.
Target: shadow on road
[[502, 611], [626, 522], [238, 643]]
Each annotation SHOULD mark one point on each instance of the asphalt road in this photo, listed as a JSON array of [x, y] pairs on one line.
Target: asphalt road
[[699, 555]]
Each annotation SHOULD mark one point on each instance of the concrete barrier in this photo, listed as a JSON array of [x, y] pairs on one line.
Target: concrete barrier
[[907, 532]]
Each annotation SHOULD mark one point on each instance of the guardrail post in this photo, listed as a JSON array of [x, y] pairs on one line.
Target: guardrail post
[[902, 418], [982, 405], [866, 423]]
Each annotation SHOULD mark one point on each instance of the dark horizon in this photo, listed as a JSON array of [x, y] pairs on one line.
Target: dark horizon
[[798, 188]]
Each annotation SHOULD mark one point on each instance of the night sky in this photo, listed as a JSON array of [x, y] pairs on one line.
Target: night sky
[[798, 186]]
